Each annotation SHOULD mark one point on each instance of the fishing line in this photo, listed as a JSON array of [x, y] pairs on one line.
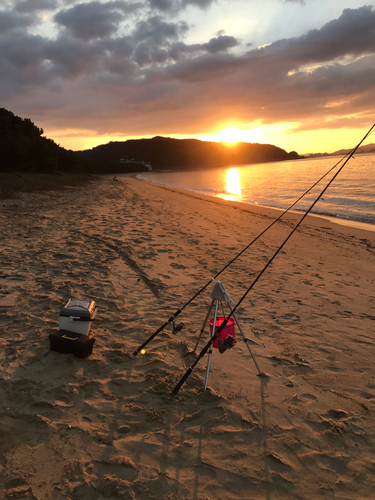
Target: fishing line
[[216, 335], [172, 318]]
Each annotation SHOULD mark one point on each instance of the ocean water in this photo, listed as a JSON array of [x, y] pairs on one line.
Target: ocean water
[[350, 197]]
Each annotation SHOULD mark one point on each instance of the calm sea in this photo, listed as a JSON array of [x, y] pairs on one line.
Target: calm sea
[[351, 196]]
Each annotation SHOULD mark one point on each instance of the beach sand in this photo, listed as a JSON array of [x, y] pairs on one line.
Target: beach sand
[[107, 427]]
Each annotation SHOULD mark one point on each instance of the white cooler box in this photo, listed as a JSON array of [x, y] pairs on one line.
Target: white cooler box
[[76, 315]]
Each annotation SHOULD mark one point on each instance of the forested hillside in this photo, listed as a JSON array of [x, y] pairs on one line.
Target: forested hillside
[[167, 153], [24, 149]]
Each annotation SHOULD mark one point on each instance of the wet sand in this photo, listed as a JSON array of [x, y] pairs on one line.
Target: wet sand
[[107, 427]]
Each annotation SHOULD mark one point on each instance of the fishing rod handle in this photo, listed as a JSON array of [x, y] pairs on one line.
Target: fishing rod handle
[[215, 336], [182, 381]]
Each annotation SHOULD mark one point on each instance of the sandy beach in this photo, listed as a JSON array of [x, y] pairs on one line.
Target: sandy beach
[[107, 426]]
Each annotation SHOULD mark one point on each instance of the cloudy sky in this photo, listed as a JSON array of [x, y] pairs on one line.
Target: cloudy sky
[[296, 73]]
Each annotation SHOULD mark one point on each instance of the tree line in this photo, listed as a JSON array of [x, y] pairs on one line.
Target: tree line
[[23, 148]]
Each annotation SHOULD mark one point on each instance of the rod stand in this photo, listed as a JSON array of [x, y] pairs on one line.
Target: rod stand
[[220, 296]]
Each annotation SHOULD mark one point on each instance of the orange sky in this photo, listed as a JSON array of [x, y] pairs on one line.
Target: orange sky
[[311, 141]]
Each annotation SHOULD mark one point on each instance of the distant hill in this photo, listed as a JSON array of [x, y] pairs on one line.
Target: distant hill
[[368, 148], [166, 153]]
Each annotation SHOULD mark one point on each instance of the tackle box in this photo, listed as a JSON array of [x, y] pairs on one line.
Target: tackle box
[[77, 314], [67, 342]]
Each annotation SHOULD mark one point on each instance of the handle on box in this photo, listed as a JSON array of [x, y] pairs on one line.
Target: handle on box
[[74, 318], [79, 318]]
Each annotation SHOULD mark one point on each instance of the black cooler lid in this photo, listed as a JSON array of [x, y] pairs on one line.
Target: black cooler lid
[[78, 307]]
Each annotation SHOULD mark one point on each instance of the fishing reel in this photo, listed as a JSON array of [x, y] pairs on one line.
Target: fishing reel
[[227, 343], [177, 328]]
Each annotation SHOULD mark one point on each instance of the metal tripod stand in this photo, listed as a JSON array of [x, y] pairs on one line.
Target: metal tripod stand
[[220, 295]]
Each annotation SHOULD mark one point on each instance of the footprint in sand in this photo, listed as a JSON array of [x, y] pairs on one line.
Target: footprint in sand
[[367, 395], [177, 266], [278, 464], [336, 414], [309, 396], [18, 488]]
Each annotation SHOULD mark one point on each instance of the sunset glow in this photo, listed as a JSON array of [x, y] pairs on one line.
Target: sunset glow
[[281, 135], [106, 71], [233, 185], [232, 135]]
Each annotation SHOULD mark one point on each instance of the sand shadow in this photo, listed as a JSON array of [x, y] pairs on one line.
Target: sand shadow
[[263, 386]]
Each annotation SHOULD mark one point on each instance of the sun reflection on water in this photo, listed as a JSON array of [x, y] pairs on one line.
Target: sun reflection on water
[[233, 186]]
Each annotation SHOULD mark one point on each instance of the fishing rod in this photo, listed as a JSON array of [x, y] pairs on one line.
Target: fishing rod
[[174, 316], [216, 334]]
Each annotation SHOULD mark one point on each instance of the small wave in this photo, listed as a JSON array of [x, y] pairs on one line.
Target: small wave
[[363, 218]]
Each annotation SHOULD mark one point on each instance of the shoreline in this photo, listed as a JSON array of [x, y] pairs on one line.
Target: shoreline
[[106, 426], [348, 226], [335, 220]]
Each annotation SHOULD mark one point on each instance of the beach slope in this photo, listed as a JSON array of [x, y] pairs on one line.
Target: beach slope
[[107, 427]]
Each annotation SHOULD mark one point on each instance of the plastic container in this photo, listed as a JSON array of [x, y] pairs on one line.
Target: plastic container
[[77, 315], [228, 330], [67, 342]]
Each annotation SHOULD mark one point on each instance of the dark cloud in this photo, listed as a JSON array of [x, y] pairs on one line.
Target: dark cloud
[[23, 52], [202, 4], [146, 54], [35, 5], [159, 31], [157, 41], [10, 21], [120, 47], [91, 20], [220, 43], [72, 58], [206, 67], [178, 5], [352, 34], [163, 5], [180, 50]]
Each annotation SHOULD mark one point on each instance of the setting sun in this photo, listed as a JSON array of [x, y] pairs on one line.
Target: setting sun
[[231, 135]]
